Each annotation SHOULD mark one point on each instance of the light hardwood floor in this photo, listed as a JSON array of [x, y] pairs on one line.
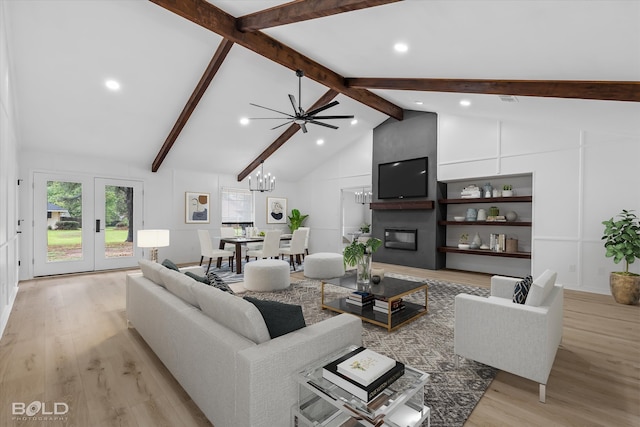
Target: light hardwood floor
[[67, 341]]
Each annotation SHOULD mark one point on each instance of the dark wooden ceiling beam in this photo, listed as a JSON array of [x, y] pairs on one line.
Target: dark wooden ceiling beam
[[302, 10], [579, 89], [286, 135], [212, 18], [194, 99]]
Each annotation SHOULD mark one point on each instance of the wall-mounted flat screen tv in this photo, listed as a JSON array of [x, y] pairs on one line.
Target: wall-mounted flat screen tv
[[402, 179]]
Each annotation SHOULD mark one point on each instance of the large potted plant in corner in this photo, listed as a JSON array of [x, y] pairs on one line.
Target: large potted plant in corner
[[622, 242], [359, 254], [296, 219]]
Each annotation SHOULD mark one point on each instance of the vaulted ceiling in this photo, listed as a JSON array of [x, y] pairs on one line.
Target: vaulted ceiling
[[189, 70]]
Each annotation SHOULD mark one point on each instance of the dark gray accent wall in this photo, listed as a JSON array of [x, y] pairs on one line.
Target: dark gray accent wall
[[393, 140]]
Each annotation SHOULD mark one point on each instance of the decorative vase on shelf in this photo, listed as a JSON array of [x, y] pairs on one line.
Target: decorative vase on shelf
[[494, 211], [476, 242]]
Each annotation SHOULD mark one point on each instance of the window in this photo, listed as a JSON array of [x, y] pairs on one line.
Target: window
[[236, 206]]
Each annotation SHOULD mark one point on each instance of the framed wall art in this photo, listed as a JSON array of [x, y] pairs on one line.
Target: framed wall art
[[276, 210], [196, 208]]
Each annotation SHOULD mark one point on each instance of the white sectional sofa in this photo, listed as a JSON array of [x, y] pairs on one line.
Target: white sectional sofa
[[218, 347]]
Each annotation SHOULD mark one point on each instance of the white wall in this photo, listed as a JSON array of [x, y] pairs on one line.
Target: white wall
[[580, 178], [9, 239]]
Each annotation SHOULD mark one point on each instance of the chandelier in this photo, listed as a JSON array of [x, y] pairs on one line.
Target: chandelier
[[263, 182], [363, 196]]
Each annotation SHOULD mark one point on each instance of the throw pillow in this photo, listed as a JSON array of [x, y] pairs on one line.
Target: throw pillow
[[217, 282], [194, 276], [521, 290], [280, 318], [170, 265]]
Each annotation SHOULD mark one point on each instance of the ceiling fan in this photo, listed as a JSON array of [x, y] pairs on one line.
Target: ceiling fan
[[299, 116]]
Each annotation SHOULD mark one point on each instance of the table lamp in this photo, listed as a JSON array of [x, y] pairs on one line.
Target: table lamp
[[153, 239]]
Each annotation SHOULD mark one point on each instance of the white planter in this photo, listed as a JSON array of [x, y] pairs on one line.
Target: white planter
[[507, 193]]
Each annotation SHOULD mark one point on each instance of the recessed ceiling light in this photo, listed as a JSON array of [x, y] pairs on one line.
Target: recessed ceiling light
[[401, 47], [419, 102], [320, 141], [354, 121], [465, 103], [244, 121], [112, 85]]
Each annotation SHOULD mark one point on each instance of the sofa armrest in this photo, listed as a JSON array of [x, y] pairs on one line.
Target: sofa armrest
[[266, 388], [513, 337], [502, 286]]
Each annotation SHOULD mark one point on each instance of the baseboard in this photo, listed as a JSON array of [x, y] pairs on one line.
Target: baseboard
[[4, 318]]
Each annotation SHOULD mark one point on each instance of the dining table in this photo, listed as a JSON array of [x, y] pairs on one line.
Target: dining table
[[238, 242]]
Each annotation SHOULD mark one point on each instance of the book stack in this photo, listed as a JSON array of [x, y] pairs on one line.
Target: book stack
[[363, 373], [360, 298], [381, 305]]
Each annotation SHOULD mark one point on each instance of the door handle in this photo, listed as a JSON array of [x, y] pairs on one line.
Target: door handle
[[97, 225]]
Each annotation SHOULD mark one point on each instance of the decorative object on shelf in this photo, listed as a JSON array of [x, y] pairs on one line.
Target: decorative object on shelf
[[472, 214], [511, 216], [482, 215], [487, 189], [496, 192], [263, 182], [459, 218], [512, 245], [276, 210], [507, 190], [363, 197], [153, 239], [484, 246], [359, 254], [494, 211], [471, 192], [622, 242], [296, 219], [497, 242], [476, 242], [463, 241]]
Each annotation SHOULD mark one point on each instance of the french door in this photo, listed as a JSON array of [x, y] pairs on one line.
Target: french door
[[84, 223]]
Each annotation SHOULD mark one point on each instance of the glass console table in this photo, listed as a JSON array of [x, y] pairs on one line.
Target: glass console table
[[322, 403]]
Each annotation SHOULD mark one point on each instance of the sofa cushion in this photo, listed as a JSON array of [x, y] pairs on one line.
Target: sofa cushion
[[216, 281], [201, 279], [233, 312], [170, 265], [180, 285], [151, 270], [541, 288], [279, 317], [521, 290]]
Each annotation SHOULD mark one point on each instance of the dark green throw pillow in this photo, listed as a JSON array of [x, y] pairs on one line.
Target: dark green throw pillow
[[194, 276], [170, 265], [279, 317]]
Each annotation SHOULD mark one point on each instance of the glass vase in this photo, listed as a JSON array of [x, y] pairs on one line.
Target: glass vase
[[363, 269]]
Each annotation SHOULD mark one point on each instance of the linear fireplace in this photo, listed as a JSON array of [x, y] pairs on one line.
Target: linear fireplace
[[405, 239]]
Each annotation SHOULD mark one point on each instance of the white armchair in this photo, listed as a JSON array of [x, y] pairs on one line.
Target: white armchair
[[518, 338]]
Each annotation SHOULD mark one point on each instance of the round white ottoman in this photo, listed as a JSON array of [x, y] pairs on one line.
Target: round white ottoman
[[323, 265], [266, 275]]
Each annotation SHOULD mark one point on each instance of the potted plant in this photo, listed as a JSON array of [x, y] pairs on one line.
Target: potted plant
[[463, 241], [296, 219], [622, 242], [365, 227], [507, 190], [359, 254]]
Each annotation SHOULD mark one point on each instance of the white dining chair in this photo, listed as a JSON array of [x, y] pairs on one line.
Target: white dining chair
[[297, 245], [207, 250], [270, 246]]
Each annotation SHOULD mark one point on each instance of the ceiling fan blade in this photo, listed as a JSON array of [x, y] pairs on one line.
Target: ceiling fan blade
[[323, 124], [284, 124], [303, 127], [324, 107], [268, 118], [293, 104], [330, 117], [271, 109]]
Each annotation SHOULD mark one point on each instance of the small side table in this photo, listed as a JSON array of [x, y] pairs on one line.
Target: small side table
[[322, 403]]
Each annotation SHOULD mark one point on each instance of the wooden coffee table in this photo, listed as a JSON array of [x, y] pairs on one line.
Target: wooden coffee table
[[391, 288]]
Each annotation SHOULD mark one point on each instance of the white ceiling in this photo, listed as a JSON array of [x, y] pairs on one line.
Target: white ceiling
[[63, 51]]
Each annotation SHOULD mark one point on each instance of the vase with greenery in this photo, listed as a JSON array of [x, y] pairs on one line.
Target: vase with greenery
[[296, 219], [365, 227], [622, 242], [359, 254]]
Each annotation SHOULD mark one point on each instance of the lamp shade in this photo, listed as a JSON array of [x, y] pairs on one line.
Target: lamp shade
[[153, 238]]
